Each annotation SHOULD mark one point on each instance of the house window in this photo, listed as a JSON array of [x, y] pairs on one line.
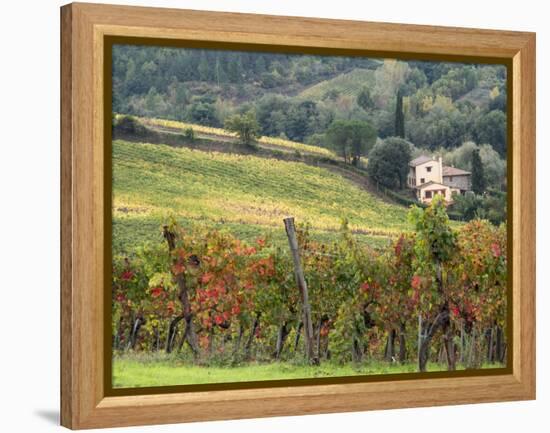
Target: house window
[[450, 178], [422, 180], [428, 194], [429, 169]]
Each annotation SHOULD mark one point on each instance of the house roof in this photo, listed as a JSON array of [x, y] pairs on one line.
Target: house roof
[[452, 171], [420, 160], [431, 182]]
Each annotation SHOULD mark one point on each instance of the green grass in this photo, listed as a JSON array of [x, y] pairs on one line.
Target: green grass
[[271, 142], [163, 370], [131, 232], [349, 84], [242, 193]]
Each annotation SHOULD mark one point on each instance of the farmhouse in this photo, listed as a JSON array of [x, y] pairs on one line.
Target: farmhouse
[[429, 177]]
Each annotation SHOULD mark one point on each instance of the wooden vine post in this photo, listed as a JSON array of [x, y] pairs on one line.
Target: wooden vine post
[[189, 334], [302, 285]]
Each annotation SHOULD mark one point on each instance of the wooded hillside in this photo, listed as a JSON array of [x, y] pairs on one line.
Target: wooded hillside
[[299, 96]]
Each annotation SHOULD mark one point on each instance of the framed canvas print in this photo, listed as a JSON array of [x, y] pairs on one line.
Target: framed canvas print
[[267, 216]]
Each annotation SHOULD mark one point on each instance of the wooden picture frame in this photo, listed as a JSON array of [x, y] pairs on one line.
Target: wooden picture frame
[[84, 164]]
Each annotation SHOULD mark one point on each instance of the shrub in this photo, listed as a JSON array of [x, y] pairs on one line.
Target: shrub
[[130, 125], [189, 133]]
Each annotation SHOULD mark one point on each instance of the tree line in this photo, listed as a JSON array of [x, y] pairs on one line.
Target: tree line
[[431, 104]]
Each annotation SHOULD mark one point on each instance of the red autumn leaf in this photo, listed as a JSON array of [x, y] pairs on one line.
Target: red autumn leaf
[[220, 288], [455, 311], [201, 295], [127, 275], [156, 292], [178, 268], [206, 277], [170, 307]]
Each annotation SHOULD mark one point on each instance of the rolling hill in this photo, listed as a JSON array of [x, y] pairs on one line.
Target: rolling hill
[[244, 194]]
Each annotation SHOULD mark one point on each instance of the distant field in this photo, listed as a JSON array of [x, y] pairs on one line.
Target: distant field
[[478, 96], [349, 84], [279, 143], [163, 370], [248, 195]]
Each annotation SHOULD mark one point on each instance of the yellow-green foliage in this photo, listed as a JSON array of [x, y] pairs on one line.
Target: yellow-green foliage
[[152, 181], [349, 84], [294, 145], [279, 143], [183, 125]]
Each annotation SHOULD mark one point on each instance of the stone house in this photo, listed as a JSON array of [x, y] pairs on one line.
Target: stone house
[[429, 177]]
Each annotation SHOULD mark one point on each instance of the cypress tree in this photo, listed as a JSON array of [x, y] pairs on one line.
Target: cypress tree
[[399, 116], [478, 177]]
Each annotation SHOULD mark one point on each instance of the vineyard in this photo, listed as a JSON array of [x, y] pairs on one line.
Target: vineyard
[[435, 298], [243, 194], [265, 227]]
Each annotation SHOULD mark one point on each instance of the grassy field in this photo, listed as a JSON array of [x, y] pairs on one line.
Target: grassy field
[[132, 231], [349, 84], [143, 370], [273, 142], [248, 195]]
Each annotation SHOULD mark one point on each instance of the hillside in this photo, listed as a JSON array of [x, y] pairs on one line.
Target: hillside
[[298, 97], [244, 194], [219, 134], [347, 84]]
